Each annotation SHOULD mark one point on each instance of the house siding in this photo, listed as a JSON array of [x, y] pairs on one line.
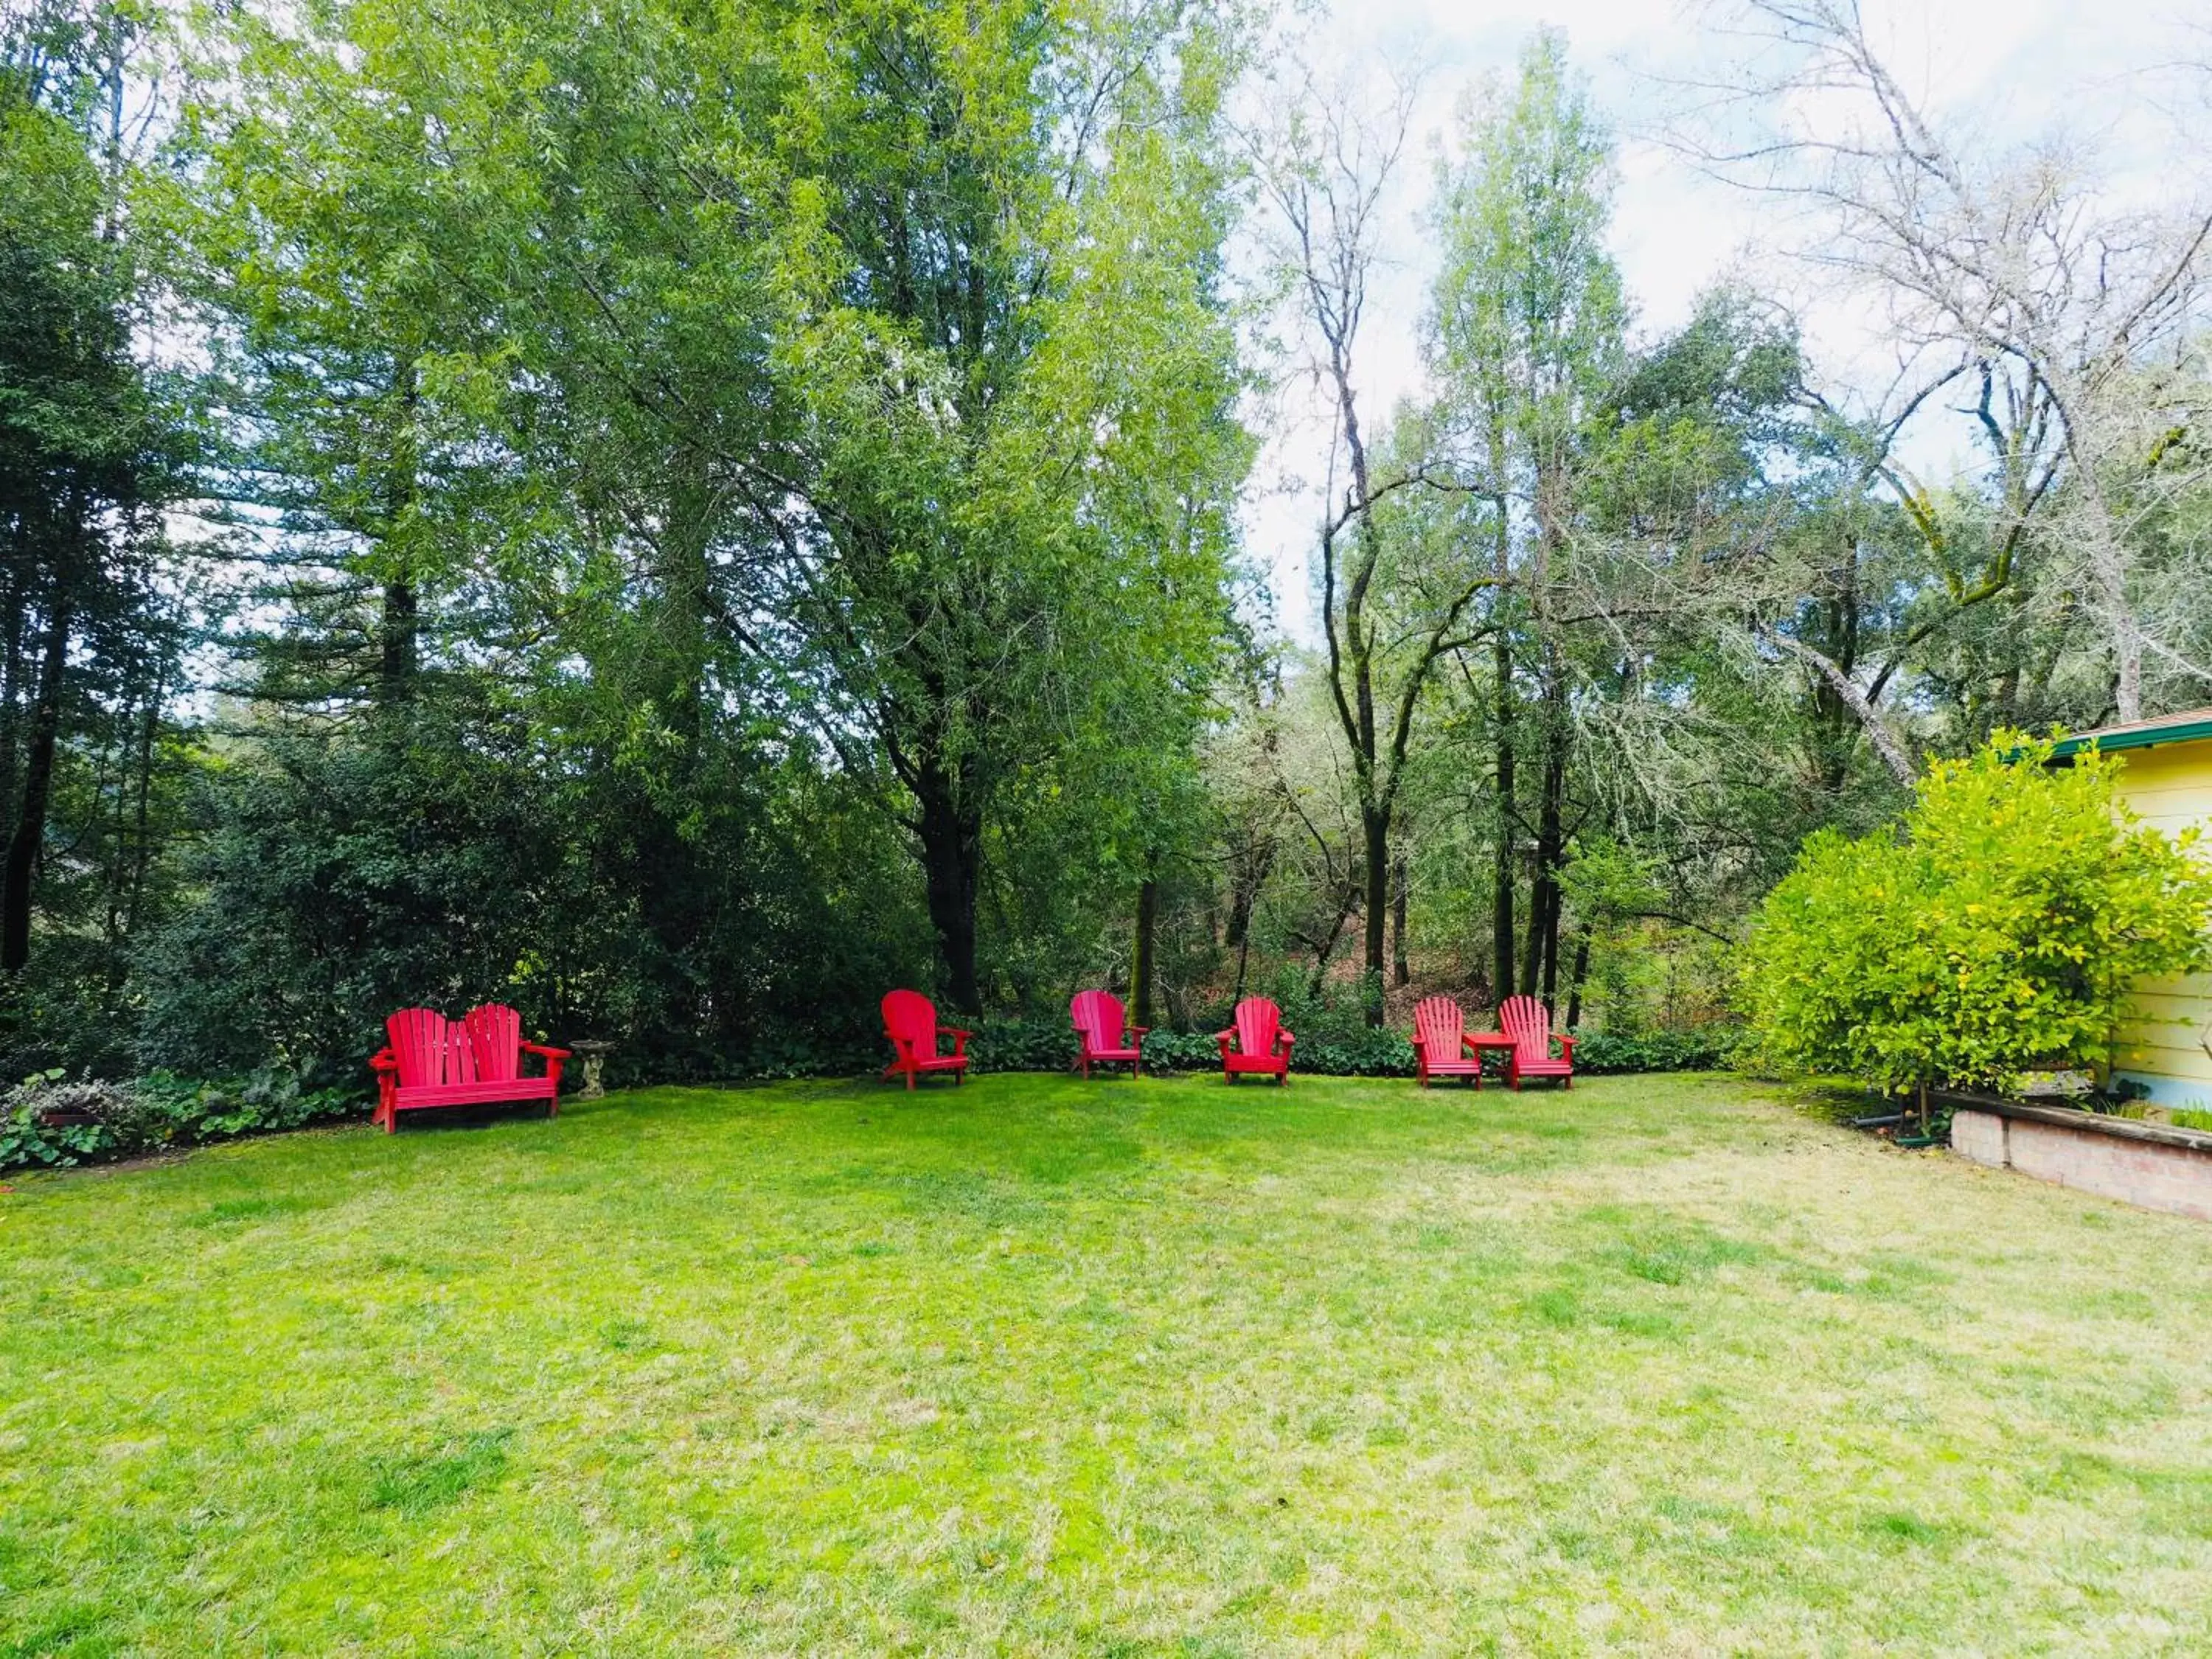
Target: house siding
[[2162, 1041]]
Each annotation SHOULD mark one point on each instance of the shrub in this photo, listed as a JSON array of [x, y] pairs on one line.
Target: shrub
[[1708, 1049], [1998, 929], [154, 1113]]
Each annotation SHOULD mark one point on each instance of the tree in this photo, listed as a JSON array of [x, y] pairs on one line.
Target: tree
[[1526, 340], [879, 402], [1390, 617], [2011, 275], [1015, 379], [86, 650], [1999, 929]]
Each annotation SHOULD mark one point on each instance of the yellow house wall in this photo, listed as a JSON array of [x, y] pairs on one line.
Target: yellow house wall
[[2162, 1042]]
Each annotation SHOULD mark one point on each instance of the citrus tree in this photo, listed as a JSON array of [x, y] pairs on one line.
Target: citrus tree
[[1996, 928]]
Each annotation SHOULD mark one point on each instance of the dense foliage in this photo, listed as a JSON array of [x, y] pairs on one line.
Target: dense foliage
[[1997, 929], [49, 1121]]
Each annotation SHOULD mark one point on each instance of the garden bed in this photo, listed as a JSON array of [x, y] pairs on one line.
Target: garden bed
[[2155, 1166]]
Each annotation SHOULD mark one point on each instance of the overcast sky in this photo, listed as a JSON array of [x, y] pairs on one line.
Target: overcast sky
[[2014, 69]]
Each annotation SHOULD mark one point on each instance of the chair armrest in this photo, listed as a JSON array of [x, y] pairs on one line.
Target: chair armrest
[[1225, 1038], [1566, 1046], [384, 1060], [1138, 1034], [1467, 1045], [959, 1040], [1283, 1040], [542, 1048]]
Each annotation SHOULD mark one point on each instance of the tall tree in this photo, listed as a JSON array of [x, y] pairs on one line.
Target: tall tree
[[83, 444], [1387, 622], [1525, 341]]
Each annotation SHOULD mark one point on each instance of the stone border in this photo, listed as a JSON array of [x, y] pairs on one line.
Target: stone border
[[2155, 1166]]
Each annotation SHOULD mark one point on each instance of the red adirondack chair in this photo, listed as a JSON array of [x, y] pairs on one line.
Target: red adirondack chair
[[1442, 1046], [1100, 1024], [911, 1024], [1529, 1022], [1260, 1042], [431, 1060]]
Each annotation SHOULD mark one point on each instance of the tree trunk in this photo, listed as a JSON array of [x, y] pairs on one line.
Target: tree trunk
[[1375, 887], [1503, 874], [1539, 961], [1400, 879], [1140, 989], [400, 657], [951, 835], [400, 654], [23, 846], [1249, 870], [1575, 985], [141, 842], [1551, 947], [11, 681]]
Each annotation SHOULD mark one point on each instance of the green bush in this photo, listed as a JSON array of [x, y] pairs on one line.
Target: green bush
[[1997, 930], [155, 1112], [1705, 1050]]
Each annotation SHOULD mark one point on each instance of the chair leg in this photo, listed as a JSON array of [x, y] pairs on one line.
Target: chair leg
[[909, 1083]]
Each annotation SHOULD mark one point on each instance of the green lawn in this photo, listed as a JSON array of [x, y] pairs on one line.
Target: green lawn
[[1657, 1366]]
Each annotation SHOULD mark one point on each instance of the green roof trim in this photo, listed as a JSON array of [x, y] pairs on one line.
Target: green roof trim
[[2140, 737]]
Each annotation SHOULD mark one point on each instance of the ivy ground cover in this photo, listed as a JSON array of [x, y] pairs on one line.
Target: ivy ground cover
[[1660, 1365]]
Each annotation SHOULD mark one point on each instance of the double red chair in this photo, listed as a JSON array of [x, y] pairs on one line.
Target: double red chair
[[1444, 1047], [475, 1060]]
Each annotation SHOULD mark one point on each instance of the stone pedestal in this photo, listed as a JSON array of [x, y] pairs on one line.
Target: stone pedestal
[[593, 1057]]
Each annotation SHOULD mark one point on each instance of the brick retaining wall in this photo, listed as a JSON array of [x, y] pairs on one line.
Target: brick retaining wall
[[2153, 1165]]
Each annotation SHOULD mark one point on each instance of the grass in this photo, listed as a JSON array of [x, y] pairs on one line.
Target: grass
[[1656, 1366]]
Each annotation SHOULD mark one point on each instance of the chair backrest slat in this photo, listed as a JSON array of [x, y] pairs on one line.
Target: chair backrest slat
[[910, 1017], [420, 1042], [1258, 1020], [494, 1043], [1100, 1019], [1441, 1024], [1529, 1022]]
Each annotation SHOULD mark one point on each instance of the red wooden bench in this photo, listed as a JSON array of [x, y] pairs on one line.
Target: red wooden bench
[[432, 1060], [1102, 1034], [1529, 1022], [1259, 1043], [910, 1026]]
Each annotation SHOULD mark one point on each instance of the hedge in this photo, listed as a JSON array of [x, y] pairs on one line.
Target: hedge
[[161, 1111]]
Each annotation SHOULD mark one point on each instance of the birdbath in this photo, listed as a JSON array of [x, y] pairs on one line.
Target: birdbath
[[593, 1054]]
